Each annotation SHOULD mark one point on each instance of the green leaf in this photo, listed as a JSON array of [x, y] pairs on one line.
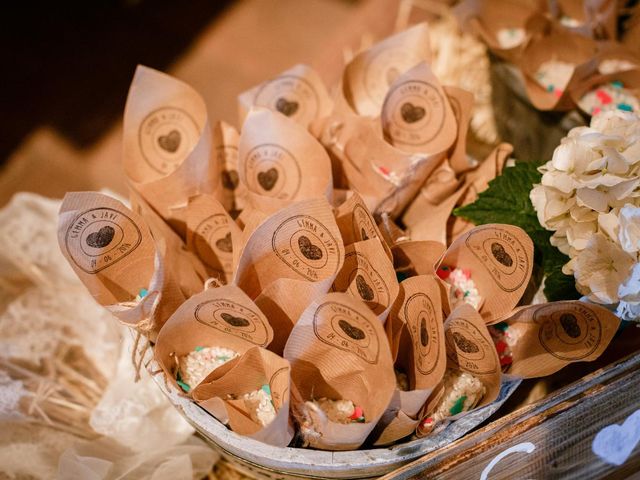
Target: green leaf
[[507, 201]]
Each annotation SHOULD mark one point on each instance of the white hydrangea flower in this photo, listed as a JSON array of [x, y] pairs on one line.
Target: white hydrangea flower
[[589, 196]]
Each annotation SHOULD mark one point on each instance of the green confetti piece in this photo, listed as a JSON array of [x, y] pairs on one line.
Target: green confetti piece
[[266, 389], [550, 88], [626, 107], [360, 420], [198, 349], [184, 386], [143, 292], [617, 84], [502, 326], [466, 293], [458, 406], [401, 276]]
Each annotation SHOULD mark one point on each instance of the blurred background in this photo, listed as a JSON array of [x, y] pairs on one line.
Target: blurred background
[[69, 66]]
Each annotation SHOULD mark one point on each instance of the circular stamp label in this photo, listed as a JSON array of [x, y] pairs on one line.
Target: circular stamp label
[[343, 327], [166, 136], [571, 333], [273, 171], [502, 254], [279, 385], [100, 237], [234, 319], [384, 68], [362, 281], [469, 349], [363, 224], [307, 247], [290, 95], [212, 243], [424, 327], [413, 113]]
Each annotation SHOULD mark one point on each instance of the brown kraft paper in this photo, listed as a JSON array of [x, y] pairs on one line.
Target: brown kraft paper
[[211, 235], [562, 46], [111, 250], [225, 145], [300, 242], [500, 259], [545, 338], [417, 257], [338, 350], [216, 317], [297, 93], [462, 103], [369, 75], [470, 349], [368, 275], [279, 159], [356, 222], [167, 152], [416, 114], [245, 374], [416, 334]]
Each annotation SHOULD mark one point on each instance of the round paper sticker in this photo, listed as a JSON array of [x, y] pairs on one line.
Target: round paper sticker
[[383, 68], [343, 327], [100, 237], [235, 319], [166, 138], [468, 348], [212, 242], [291, 95], [570, 333], [420, 315], [307, 247], [273, 171], [363, 282], [413, 113]]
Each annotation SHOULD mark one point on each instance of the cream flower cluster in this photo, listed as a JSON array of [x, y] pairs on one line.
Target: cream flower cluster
[[590, 198]]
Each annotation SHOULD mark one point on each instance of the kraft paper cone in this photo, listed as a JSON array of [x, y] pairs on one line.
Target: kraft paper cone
[[630, 79], [338, 350], [608, 51], [470, 349], [485, 18], [545, 338], [182, 265], [167, 154], [297, 93], [111, 250], [225, 145], [245, 374], [429, 216], [417, 257], [462, 104], [216, 317], [283, 309], [385, 177], [368, 77], [562, 46], [356, 222], [416, 114], [416, 334], [500, 260], [280, 159], [392, 234], [301, 242], [368, 275], [596, 18], [211, 235]]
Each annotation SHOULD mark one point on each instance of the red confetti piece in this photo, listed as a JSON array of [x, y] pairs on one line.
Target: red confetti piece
[[357, 413], [558, 93], [504, 361], [384, 170], [467, 273], [501, 346], [443, 273], [604, 97]]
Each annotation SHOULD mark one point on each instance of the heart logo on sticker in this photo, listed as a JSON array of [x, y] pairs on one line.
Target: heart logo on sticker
[[464, 344], [170, 142], [101, 238], [224, 244], [615, 443], [424, 334], [501, 255], [365, 291], [235, 321], [286, 107], [268, 178], [570, 325], [351, 330], [412, 113], [308, 249]]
